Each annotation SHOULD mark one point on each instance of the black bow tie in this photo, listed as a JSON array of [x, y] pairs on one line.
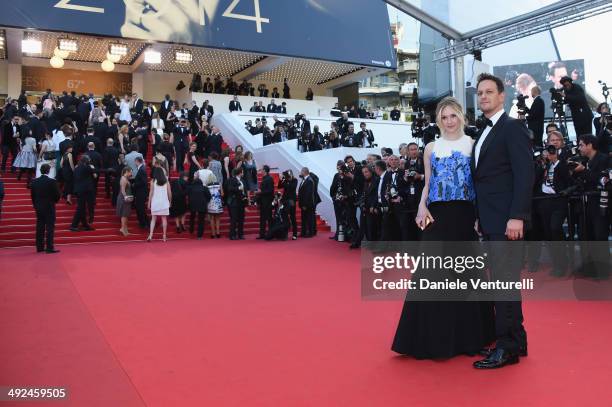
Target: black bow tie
[[488, 122]]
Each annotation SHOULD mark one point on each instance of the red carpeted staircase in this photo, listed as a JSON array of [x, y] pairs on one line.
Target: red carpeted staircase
[[18, 221]]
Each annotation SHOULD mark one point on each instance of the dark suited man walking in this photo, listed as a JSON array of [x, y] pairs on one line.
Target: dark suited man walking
[[45, 194], [306, 199], [266, 197], [535, 117], [236, 201], [140, 193], [503, 175], [84, 188], [234, 105]]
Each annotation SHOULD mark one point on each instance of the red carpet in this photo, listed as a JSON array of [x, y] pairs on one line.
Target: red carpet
[[220, 323]]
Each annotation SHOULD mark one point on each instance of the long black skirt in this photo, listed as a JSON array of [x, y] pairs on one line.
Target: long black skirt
[[443, 329]]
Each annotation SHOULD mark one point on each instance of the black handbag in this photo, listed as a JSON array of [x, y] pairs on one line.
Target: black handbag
[[50, 155]]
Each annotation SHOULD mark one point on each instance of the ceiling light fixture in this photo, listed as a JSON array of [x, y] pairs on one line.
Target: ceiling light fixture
[[118, 49], [68, 44], [183, 56], [152, 57], [31, 46]]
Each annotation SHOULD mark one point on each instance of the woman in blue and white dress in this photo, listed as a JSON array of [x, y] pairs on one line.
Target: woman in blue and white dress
[[443, 329]]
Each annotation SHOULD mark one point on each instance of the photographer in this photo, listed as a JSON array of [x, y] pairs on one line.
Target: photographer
[[331, 140], [289, 186], [414, 181], [304, 142], [554, 180], [339, 192], [598, 163], [369, 225], [280, 219], [535, 116], [581, 112], [343, 124], [236, 200], [365, 136], [355, 177], [603, 128], [395, 225], [317, 140], [349, 139]]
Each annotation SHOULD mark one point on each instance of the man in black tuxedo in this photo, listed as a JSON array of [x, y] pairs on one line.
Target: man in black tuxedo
[[138, 105], [288, 184], [283, 108], [208, 86], [214, 142], [234, 105], [265, 198], [109, 161], [165, 107], [535, 116], [141, 192], [503, 173], [350, 139], [236, 201], [10, 141], [306, 198], [147, 114], [272, 107], [207, 110], [395, 114], [84, 189], [45, 194]]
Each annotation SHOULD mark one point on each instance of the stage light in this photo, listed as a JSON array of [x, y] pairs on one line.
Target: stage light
[[118, 49], [68, 44], [183, 56], [108, 66], [59, 53], [56, 62], [113, 58], [2, 42], [31, 46], [152, 57]]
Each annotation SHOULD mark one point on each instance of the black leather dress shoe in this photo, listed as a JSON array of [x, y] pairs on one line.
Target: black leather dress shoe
[[51, 251], [498, 358], [487, 351]]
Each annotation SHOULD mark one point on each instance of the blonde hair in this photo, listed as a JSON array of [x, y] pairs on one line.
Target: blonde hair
[[455, 106]]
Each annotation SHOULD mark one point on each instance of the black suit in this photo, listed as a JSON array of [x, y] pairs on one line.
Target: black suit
[[208, 87], [289, 188], [266, 196], [234, 106], [503, 179], [84, 188], [214, 142], [272, 108], [10, 144], [236, 201], [535, 120], [138, 106], [581, 112], [45, 194], [363, 137], [306, 198], [140, 195]]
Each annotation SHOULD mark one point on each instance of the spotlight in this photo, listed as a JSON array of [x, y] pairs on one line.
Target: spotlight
[[31, 46], [113, 58], [108, 66], [59, 53], [68, 44], [152, 57], [183, 56], [56, 62], [118, 49]]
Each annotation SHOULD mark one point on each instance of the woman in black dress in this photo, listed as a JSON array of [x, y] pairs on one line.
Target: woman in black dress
[[67, 165], [446, 328], [178, 207]]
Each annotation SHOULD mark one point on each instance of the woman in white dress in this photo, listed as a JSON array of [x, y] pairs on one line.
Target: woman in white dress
[[47, 155], [124, 108], [26, 159], [160, 197]]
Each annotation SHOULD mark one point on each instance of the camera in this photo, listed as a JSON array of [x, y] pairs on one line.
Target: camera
[[419, 122], [558, 101], [521, 106], [344, 169], [288, 174]]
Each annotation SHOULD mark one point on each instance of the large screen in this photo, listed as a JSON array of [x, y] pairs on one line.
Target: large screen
[[520, 79], [331, 30]]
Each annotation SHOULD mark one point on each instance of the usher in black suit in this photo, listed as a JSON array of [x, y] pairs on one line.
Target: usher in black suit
[[45, 194], [503, 179]]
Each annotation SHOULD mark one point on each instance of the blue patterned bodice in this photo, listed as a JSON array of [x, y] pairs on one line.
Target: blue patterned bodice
[[451, 178]]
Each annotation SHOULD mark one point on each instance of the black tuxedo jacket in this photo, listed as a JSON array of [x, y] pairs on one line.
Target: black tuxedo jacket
[[266, 190], [369, 136], [535, 119], [140, 182], [561, 178], [147, 115], [504, 176], [208, 87], [45, 193], [236, 197], [306, 193], [214, 142], [138, 106], [83, 179], [164, 108], [272, 108], [234, 106]]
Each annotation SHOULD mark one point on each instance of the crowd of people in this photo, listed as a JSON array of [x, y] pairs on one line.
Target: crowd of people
[[245, 88], [342, 133]]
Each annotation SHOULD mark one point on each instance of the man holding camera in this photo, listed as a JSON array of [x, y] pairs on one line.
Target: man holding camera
[[350, 139], [577, 101], [340, 193], [535, 116], [289, 186], [596, 168], [280, 219], [365, 136]]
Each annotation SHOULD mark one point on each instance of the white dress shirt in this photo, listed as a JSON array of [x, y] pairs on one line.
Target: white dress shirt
[[485, 133], [380, 185]]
